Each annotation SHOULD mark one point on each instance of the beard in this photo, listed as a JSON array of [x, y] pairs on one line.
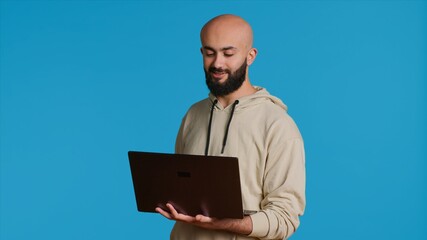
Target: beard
[[231, 84]]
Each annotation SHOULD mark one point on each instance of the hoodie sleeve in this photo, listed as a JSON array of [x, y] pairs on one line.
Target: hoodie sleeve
[[179, 143], [284, 187]]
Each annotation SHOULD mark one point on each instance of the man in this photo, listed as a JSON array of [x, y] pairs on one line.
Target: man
[[241, 120]]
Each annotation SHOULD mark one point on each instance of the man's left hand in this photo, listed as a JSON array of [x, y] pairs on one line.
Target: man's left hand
[[241, 226]]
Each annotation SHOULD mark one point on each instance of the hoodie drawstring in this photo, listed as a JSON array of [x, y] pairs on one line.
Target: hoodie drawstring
[[209, 127], [224, 142], [228, 126]]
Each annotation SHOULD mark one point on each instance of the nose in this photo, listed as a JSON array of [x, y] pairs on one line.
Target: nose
[[218, 61]]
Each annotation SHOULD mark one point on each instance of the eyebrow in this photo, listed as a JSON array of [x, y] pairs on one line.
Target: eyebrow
[[222, 49]]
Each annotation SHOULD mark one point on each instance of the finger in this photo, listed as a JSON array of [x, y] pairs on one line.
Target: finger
[[203, 219], [179, 216], [172, 209], [186, 218], [164, 213]]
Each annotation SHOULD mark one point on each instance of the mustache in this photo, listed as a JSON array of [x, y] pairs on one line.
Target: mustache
[[218, 70]]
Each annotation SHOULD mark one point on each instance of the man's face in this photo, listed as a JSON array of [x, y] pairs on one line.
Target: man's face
[[225, 69]]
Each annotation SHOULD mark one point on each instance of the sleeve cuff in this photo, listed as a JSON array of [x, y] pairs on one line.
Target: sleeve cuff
[[260, 225]]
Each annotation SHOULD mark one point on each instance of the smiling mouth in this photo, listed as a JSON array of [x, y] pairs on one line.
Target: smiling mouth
[[218, 75]]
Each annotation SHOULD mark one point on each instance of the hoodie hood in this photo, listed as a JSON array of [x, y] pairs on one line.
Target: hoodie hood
[[251, 100], [240, 104]]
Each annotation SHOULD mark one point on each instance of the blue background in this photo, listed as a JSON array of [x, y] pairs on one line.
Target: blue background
[[83, 82]]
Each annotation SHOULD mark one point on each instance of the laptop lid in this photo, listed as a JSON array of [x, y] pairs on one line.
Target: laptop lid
[[193, 184]]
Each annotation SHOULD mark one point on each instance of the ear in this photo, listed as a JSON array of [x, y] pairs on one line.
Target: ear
[[251, 56]]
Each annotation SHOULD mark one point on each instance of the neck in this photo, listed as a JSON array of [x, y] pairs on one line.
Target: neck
[[245, 90]]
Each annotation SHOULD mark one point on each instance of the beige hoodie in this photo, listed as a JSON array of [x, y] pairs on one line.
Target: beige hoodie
[[271, 159]]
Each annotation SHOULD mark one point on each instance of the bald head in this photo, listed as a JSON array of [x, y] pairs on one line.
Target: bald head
[[228, 28]]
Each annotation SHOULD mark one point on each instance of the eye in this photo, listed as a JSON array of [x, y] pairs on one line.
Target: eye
[[228, 53], [209, 53]]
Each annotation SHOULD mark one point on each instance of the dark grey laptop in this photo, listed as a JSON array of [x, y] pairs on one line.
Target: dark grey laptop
[[193, 184]]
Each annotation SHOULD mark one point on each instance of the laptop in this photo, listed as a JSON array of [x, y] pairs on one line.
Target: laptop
[[193, 184]]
